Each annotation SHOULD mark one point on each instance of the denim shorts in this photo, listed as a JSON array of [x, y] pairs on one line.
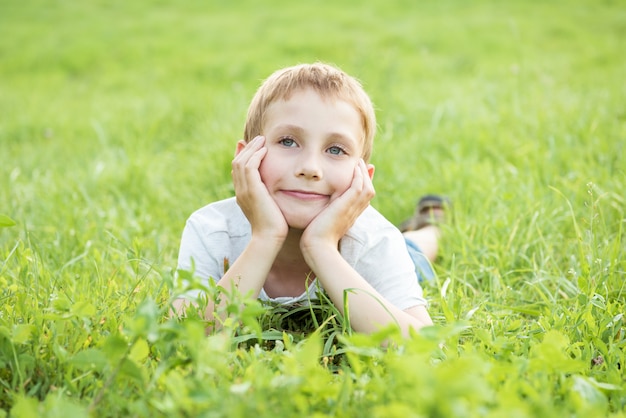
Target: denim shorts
[[423, 268]]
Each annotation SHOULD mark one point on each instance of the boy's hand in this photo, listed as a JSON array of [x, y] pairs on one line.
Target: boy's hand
[[264, 216], [338, 217]]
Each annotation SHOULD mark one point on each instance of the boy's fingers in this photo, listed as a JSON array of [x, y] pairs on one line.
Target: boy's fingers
[[368, 185], [360, 193], [249, 149], [248, 159], [358, 175], [361, 181]]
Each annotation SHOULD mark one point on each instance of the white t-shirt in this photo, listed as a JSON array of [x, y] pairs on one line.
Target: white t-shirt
[[374, 247]]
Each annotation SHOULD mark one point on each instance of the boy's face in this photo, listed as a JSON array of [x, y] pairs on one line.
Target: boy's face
[[313, 146]]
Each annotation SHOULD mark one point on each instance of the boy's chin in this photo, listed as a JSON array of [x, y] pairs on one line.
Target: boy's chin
[[298, 226], [299, 223]]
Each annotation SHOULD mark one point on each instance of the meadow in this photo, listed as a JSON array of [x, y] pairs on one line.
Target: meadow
[[119, 119]]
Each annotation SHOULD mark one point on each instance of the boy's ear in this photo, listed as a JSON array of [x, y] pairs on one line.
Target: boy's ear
[[241, 144], [370, 171]]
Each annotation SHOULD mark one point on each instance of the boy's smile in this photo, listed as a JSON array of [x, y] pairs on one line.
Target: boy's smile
[[313, 145], [304, 195]]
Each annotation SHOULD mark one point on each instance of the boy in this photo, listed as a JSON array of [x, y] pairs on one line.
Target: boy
[[301, 218]]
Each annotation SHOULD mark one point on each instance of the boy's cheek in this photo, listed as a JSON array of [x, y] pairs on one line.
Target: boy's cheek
[[344, 188]]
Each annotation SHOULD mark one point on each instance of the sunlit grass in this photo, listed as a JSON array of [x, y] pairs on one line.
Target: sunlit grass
[[118, 119]]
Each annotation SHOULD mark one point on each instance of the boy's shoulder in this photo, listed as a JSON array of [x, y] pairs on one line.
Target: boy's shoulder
[[371, 226], [219, 207], [222, 215], [375, 241]]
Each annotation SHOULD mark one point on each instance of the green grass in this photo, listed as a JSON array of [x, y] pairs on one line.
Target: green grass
[[118, 119]]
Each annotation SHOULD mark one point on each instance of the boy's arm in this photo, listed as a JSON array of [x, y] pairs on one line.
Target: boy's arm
[[368, 309], [269, 228], [421, 314], [253, 264]]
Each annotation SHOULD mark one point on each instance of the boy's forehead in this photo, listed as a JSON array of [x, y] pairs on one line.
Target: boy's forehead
[[300, 96]]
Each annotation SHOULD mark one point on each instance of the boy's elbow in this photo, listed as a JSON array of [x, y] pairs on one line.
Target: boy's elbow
[[420, 316]]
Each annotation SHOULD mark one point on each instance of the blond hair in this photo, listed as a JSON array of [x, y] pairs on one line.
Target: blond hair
[[327, 81]]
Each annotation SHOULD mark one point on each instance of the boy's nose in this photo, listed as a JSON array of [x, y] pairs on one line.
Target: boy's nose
[[309, 167]]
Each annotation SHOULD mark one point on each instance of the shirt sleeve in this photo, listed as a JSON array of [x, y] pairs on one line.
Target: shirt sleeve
[[202, 252], [384, 262]]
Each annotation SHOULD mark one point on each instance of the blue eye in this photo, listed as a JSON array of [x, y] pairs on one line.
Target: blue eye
[[336, 150], [288, 142]]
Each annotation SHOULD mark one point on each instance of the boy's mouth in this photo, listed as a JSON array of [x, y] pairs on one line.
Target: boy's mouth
[[304, 195]]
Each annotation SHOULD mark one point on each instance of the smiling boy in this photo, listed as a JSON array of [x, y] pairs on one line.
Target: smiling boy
[[301, 219]]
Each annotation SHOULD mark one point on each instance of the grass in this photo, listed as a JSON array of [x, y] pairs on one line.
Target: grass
[[118, 119]]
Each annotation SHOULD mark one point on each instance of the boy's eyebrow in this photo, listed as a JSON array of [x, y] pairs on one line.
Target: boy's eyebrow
[[290, 127]]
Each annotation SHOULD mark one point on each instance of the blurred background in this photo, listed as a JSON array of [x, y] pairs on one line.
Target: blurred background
[[118, 119]]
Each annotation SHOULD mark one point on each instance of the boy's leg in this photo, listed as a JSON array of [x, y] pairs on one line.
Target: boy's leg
[[422, 228], [427, 239]]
